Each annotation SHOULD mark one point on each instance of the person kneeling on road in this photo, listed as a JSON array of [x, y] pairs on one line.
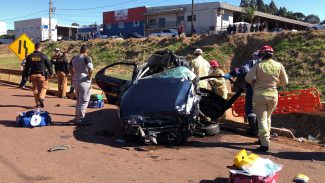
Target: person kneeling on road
[[265, 77], [36, 65], [81, 68], [241, 72]]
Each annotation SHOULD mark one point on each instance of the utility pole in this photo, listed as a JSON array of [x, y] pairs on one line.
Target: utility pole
[[50, 17], [192, 18]]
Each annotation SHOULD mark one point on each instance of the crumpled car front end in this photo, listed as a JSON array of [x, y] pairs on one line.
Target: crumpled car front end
[[160, 109]]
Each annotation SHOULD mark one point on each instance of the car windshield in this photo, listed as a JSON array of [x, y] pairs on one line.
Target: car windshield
[[177, 72], [166, 31]]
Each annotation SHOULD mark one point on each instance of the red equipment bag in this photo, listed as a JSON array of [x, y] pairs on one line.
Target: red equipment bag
[[239, 178]]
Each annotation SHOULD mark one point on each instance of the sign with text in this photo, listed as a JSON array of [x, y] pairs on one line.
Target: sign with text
[[22, 46], [121, 15]]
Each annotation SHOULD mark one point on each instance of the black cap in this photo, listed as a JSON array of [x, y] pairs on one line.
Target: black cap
[[38, 46], [83, 48]]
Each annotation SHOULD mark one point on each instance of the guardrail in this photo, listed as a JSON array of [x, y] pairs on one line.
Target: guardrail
[[19, 73], [13, 72]]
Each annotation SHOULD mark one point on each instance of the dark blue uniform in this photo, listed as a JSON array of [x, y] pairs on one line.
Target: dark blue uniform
[[241, 72]]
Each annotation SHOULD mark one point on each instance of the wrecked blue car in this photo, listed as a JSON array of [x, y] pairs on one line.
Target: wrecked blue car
[[160, 102]]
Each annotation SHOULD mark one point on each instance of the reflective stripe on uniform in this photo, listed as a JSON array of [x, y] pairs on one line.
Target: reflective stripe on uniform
[[270, 68], [269, 93]]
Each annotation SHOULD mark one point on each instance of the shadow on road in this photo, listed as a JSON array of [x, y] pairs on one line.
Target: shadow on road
[[217, 180], [106, 129], [17, 106], [20, 172]]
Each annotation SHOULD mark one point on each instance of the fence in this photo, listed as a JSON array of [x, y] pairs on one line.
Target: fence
[[13, 72]]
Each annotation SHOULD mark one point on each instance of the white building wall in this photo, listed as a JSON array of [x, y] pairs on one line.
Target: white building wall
[[3, 28], [208, 19], [36, 29]]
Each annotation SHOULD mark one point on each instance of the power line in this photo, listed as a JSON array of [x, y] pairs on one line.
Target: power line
[[98, 7], [24, 16]]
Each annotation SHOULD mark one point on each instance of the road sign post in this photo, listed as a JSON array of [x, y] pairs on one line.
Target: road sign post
[[22, 46]]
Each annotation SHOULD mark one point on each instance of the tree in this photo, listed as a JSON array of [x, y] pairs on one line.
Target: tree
[[291, 15], [250, 13], [260, 6], [272, 8], [300, 16], [313, 19], [253, 4], [282, 12], [244, 3], [74, 24]]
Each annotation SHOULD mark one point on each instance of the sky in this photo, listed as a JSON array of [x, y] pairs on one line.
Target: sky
[[87, 12]]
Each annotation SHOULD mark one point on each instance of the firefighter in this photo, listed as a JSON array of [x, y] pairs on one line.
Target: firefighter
[[265, 77], [81, 69], [200, 67], [38, 68], [60, 62], [218, 84], [241, 72]]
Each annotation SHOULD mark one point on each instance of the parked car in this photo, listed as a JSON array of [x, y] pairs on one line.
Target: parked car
[[165, 33], [160, 101], [133, 35], [320, 26], [277, 30], [116, 37]]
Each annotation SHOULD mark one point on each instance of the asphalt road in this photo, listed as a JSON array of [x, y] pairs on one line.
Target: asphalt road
[[96, 156]]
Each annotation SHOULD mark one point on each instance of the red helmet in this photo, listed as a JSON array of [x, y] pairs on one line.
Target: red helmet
[[214, 63], [267, 48]]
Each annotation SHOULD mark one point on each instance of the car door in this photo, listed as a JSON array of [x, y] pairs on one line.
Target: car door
[[213, 105], [114, 80]]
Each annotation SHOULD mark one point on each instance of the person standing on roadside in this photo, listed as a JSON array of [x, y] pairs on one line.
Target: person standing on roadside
[[200, 67], [23, 80], [60, 62], [241, 72], [180, 30], [81, 68], [39, 69], [265, 77]]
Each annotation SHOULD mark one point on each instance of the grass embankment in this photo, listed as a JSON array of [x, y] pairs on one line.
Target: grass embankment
[[302, 53]]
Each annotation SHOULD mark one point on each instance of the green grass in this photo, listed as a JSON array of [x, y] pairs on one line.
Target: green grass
[[9, 62]]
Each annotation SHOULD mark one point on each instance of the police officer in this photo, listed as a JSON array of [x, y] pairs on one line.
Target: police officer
[[38, 68], [200, 67], [241, 72], [60, 62], [81, 68], [265, 77], [218, 84]]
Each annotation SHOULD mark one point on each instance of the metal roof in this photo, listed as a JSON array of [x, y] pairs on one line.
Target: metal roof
[[264, 15], [176, 10]]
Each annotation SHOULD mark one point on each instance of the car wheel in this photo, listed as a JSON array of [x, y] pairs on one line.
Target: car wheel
[[211, 130]]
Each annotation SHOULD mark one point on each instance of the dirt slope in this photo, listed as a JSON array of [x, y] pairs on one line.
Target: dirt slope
[[302, 53]]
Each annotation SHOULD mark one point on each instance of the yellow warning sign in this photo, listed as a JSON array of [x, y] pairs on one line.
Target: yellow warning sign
[[22, 47]]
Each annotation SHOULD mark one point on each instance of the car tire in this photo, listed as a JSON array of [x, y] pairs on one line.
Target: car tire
[[211, 130]]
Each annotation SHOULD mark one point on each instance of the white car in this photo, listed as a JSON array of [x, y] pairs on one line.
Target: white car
[[320, 26], [165, 33]]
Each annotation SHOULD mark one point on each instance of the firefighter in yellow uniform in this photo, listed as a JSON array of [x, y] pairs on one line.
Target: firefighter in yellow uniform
[[38, 68], [200, 67], [218, 84], [265, 77]]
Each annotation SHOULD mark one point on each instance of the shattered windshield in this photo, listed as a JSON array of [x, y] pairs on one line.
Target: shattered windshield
[[177, 72]]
